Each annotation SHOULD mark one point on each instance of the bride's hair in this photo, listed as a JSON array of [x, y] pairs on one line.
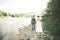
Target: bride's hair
[[38, 16]]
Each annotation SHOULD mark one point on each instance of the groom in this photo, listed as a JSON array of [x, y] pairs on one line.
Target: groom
[[33, 22]]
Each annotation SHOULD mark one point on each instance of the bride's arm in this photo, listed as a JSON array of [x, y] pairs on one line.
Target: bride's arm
[[40, 19]]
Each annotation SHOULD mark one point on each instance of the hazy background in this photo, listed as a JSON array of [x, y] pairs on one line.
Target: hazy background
[[23, 6]]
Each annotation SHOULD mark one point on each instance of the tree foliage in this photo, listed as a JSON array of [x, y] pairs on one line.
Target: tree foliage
[[51, 20]]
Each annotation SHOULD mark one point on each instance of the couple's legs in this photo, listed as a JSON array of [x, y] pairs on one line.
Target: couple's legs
[[1, 38], [33, 27]]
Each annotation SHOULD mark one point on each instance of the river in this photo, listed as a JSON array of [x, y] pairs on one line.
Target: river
[[12, 24]]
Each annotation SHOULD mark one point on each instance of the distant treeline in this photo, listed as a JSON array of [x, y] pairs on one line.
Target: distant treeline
[[4, 14]]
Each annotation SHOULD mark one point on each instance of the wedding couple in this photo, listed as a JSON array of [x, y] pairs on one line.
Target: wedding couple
[[36, 24]]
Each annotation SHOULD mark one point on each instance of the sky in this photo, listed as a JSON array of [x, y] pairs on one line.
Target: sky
[[23, 6]]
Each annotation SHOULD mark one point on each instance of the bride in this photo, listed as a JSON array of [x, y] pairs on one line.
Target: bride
[[38, 25]]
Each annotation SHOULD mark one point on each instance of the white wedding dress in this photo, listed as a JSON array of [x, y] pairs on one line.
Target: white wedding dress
[[38, 26]]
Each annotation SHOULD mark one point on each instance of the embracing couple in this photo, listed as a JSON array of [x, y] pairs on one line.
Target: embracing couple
[[36, 24]]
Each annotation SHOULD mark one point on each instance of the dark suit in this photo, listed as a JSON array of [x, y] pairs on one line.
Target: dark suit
[[1, 35], [33, 22]]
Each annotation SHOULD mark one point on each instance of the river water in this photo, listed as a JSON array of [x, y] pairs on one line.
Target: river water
[[12, 24]]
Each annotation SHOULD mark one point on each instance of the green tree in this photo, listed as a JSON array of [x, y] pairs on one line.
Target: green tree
[[12, 15], [51, 20], [4, 14]]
